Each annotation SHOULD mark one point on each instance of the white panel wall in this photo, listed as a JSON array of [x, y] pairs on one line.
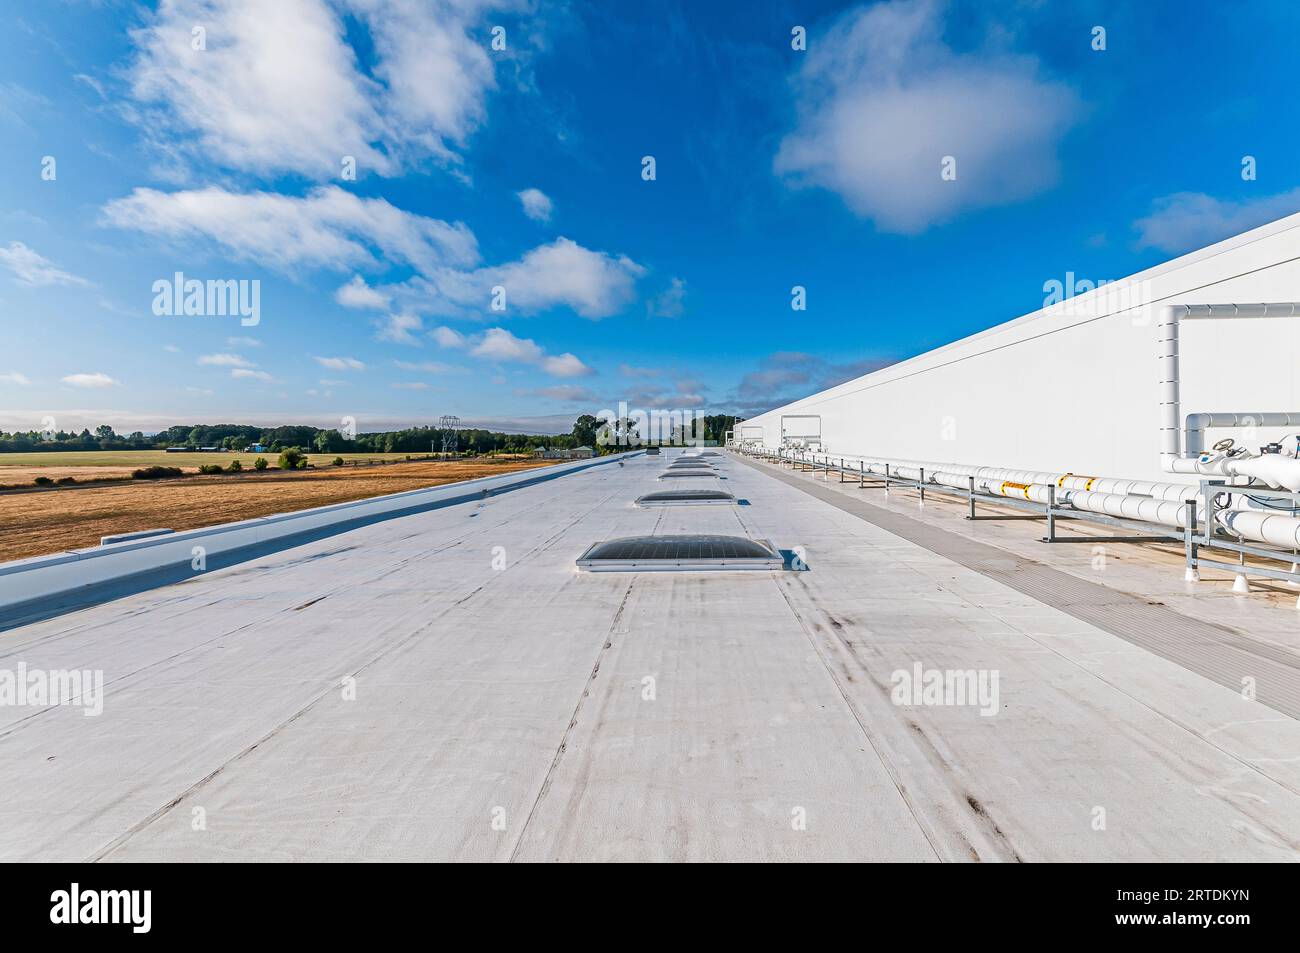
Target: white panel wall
[[1073, 387]]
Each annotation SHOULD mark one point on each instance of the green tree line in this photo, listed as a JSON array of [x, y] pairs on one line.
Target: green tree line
[[586, 430]]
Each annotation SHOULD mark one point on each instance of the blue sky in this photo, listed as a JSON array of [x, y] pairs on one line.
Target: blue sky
[[522, 169]]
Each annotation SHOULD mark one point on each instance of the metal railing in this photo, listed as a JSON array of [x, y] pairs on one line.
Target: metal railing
[[1196, 534], [1212, 535]]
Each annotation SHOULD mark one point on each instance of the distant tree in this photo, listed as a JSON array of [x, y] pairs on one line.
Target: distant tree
[[290, 436], [585, 429], [260, 463], [414, 440], [330, 441], [290, 459], [157, 473]]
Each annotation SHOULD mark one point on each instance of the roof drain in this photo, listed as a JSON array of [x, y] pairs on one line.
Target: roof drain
[[680, 554]]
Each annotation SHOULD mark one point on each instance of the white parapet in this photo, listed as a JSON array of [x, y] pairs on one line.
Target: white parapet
[[44, 577]]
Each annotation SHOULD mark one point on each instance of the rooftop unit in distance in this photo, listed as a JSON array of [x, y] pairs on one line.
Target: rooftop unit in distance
[[680, 554], [685, 498]]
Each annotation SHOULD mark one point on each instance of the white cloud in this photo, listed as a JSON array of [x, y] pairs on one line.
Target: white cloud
[[498, 344], [341, 363], [883, 99], [93, 83], [567, 393], [410, 385], [333, 229], [671, 303], [327, 228], [399, 327], [245, 373], [225, 360], [627, 370], [565, 365], [658, 398], [537, 204], [276, 89], [357, 294], [594, 284], [1187, 220], [91, 381], [243, 342], [788, 375], [14, 377], [427, 367], [436, 75], [447, 337], [279, 88], [32, 269]]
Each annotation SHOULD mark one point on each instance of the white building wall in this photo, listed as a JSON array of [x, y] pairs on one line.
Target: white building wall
[[1072, 387]]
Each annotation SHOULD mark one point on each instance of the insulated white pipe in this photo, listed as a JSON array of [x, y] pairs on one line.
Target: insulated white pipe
[[1266, 527], [988, 479], [1138, 500], [1036, 486], [1164, 512]]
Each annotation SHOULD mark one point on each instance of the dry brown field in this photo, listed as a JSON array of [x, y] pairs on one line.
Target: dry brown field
[[37, 522]]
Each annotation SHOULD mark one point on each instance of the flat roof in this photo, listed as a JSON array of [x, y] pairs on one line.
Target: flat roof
[[448, 686]]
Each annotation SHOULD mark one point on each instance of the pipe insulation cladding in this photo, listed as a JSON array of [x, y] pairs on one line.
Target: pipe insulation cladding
[[1163, 504]]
